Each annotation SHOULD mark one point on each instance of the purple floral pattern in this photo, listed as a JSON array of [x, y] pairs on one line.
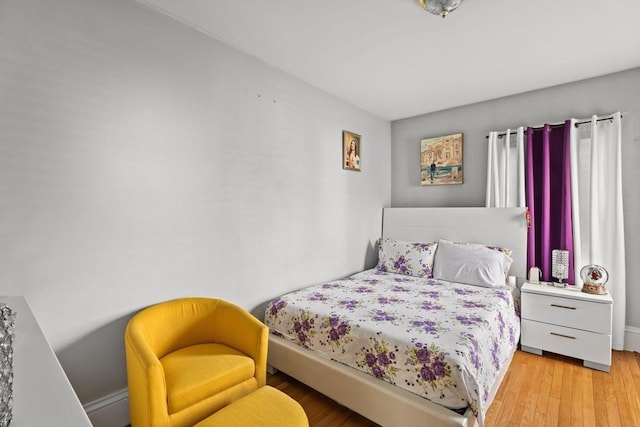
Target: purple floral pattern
[[429, 366], [440, 340], [408, 258], [336, 331], [427, 326], [349, 304], [275, 307], [379, 360], [430, 305], [303, 328], [382, 316]]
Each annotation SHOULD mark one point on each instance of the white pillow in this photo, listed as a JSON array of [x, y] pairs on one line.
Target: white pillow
[[470, 264], [409, 258], [505, 251]]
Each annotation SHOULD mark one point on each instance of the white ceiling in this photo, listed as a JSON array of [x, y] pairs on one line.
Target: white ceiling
[[391, 58]]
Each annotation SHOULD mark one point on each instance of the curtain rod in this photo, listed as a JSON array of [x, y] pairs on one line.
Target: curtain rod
[[557, 125]]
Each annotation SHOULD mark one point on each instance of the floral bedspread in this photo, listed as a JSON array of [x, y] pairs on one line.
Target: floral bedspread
[[440, 340]]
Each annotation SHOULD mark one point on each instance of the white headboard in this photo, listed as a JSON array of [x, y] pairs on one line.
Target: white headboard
[[505, 227]]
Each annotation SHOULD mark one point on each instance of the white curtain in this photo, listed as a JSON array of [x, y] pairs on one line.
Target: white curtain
[[505, 170], [598, 226]]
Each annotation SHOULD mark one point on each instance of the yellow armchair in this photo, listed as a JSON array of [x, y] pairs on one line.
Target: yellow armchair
[[188, 358]]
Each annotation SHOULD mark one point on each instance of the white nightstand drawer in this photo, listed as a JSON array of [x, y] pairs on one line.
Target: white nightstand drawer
[[572, 313], [570, 342]]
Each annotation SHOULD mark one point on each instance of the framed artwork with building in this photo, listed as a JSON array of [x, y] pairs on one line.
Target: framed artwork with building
[[351, 150], [441, 160]]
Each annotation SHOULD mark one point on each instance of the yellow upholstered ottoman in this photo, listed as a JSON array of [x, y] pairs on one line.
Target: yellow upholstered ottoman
[[265, 407]]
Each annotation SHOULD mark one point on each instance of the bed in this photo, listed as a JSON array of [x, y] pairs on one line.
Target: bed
[[396, 344]]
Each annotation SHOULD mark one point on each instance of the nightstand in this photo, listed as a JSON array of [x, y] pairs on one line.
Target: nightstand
[[567, 321]]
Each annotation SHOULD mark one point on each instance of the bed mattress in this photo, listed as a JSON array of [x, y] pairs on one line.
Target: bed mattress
[[443, 341]]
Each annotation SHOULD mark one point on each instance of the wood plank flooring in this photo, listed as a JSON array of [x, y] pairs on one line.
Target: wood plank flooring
[[537, 391]]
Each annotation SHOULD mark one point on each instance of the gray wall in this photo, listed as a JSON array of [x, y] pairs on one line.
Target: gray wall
[[141, 160], [602, 95]]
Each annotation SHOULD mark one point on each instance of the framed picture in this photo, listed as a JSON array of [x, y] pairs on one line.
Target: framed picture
[[441, 160], [351, 150]]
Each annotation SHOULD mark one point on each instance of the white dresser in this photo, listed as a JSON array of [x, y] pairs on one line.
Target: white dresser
[[567, 321], [42, 394]]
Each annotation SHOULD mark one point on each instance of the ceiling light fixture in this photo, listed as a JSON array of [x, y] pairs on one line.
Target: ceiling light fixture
[[439, 7]]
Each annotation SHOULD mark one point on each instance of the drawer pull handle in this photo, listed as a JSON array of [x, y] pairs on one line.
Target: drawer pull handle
[[563, 336], [563, 306]]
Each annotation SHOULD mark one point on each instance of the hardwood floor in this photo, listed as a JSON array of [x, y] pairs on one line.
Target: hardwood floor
[[537, 391]]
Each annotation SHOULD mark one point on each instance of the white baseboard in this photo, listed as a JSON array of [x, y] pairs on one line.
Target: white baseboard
[[110, 411], [632, 339]]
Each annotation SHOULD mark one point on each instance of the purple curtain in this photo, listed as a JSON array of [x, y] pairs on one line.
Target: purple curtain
[[548, 186]]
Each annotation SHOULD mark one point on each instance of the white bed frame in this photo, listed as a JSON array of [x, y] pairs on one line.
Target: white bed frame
[[377, 400]]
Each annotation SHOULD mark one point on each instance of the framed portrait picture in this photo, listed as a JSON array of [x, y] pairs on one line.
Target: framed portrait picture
[[351, 150], [441, 160]]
